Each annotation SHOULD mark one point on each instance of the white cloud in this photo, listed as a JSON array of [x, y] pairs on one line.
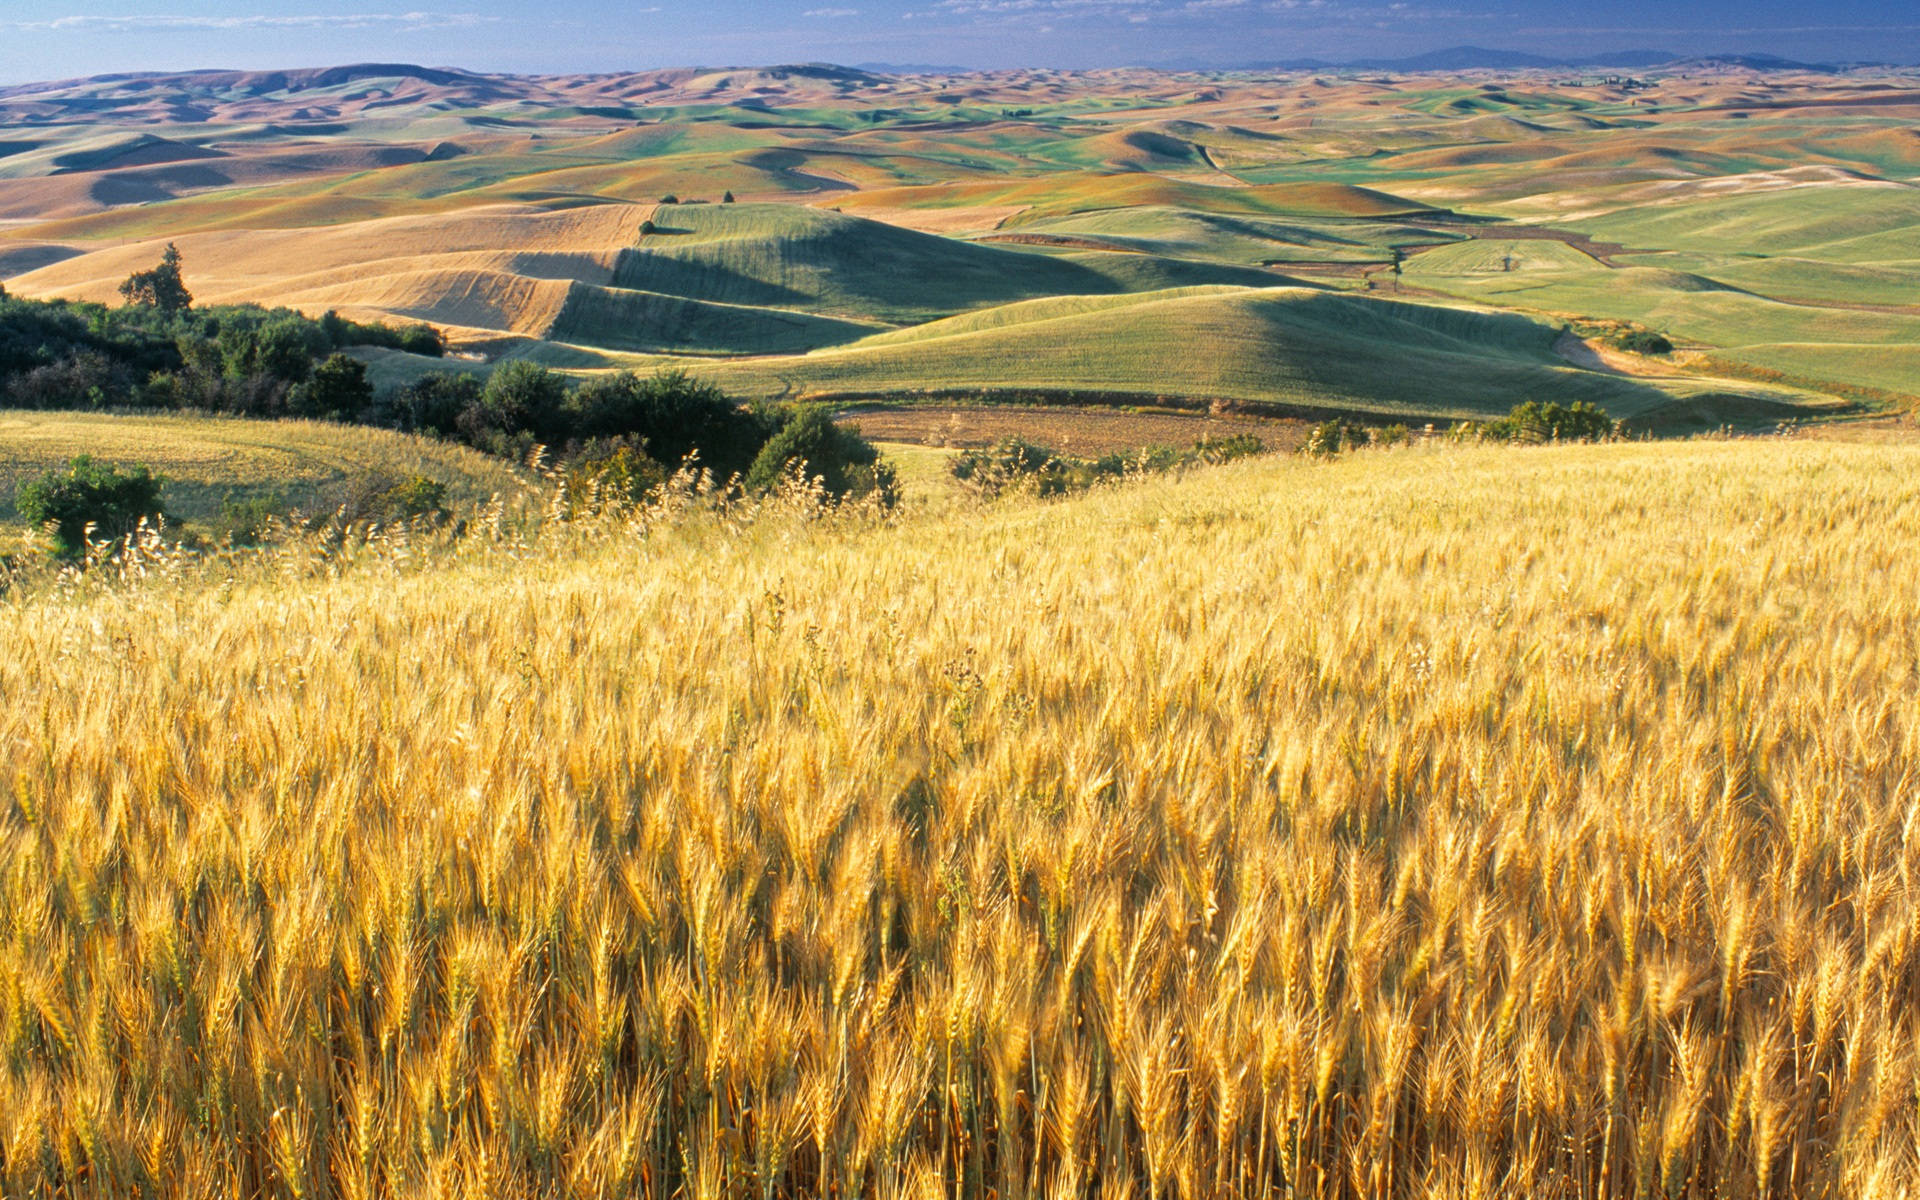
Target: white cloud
[[831, 12]]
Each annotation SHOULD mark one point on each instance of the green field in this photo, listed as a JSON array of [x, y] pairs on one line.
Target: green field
[[1297, 348]]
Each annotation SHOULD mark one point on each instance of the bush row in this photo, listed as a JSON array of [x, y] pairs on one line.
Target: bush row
[[1533, 421], [1020, 465]]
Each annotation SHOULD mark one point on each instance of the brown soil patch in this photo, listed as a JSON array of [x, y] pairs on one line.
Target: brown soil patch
[[1058, 241], [1605, 252]]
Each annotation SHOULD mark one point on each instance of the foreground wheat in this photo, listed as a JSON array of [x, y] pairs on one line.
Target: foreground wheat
[[1452, 823]]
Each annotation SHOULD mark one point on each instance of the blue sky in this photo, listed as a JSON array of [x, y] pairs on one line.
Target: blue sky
[[42, 39]]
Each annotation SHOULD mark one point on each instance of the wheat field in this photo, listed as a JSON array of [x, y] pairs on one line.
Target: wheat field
[[1441, 822]]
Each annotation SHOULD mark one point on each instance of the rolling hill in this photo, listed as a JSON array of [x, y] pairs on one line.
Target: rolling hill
[[1287, 349]]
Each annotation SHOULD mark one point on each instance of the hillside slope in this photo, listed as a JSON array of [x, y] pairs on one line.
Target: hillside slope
[[1287, 346]]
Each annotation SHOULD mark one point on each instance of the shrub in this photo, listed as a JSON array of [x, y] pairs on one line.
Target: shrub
[[418, 498], [423, 340], [519, 398], [283, 347], [609, 476], [1329, 438], [385, 499], [1642, 341], [86, 379], [244, 521], [845, 464], [111, 501], [1027, 466], [1013, 463], [1552, 422], [1226, 449]]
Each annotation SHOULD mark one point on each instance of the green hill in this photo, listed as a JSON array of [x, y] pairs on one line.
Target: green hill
[[1294, 347], [779, 256]]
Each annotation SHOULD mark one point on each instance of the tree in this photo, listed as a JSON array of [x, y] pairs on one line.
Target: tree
[[727, 199], [673, 415], [283, 347], [339, 388], [105, 497], [520, 397], [433, 403], [160, 288]]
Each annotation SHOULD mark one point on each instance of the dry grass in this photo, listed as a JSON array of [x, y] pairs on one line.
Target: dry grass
[[1432, 823]]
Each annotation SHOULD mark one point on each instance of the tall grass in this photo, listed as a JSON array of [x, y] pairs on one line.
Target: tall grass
[[1451, 822]]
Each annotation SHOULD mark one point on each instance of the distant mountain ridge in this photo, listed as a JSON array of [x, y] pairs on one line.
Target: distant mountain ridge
[[489, 86], [1480, 58], [262, 82]]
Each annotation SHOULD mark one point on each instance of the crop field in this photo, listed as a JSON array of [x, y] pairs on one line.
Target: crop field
[[1437, 822], [1764, 220]]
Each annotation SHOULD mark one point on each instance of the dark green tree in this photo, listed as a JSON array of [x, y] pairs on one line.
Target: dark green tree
[[160, 288], [672, 415], [338, 388], [433, 403], [520, 398]]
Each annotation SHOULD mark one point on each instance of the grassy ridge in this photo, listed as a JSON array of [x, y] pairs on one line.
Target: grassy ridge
[[1431, 823]]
